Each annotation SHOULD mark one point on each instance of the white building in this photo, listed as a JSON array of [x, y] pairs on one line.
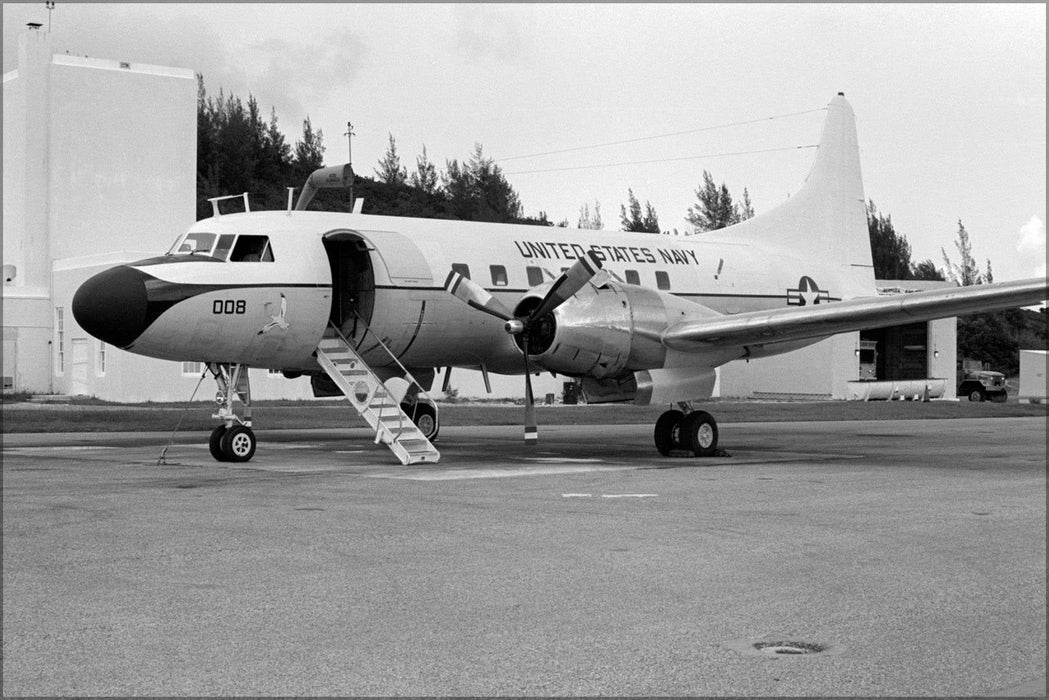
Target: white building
[[99, 169]]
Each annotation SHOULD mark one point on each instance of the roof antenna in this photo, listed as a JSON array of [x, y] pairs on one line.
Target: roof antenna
[[50, 6]]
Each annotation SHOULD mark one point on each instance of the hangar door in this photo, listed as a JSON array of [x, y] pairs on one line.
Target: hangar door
[[902, 351]]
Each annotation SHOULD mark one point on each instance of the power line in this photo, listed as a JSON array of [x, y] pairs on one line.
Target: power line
[[662, 136], [660, 160]]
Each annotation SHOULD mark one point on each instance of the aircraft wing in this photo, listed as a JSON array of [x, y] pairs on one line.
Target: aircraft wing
[[806, 322]]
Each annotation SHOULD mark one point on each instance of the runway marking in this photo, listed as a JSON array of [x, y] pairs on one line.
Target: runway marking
[[460, 474], [56, 448], [611, 495]]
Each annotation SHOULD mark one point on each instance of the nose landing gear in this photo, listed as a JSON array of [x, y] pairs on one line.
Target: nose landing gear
[[694, 432], [234, 440]]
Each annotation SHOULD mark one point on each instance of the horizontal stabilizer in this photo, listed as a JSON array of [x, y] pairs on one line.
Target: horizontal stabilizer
[[794, 323]]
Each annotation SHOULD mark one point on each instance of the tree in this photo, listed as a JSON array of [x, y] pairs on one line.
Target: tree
[[890, 251], [425, 175], [965, 273], [715, 208], [495, 200], [746, 210], [309, 151], [588, 220], [390, 170], [649, 223], [926, 270]]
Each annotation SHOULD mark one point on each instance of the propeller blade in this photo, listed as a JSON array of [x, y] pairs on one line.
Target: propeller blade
[[571, 281], [531, 428], [475, 295]]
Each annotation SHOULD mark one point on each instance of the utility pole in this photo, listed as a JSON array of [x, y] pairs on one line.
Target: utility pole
[[349, 141], [349, 146], [50, 4]]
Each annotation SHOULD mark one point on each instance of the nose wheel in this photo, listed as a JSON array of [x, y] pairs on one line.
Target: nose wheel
[[234, 440], [695, 432]]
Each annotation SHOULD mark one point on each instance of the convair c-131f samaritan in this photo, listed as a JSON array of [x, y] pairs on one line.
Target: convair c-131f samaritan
[[369, 306]]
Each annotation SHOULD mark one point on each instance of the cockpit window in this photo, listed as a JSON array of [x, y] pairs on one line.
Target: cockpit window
[[252, 249], [200, 243], [222, 249]]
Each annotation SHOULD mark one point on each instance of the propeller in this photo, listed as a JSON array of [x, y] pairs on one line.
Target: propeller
[[564, 288]]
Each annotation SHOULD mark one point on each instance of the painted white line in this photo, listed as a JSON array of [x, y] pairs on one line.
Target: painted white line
[[577, 495], [456, 474], [629, 495]]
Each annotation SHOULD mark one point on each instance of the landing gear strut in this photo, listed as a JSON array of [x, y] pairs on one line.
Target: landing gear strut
[[691, 431], [233, 441]]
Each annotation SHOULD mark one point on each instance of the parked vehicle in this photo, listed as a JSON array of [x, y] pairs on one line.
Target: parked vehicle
[[979, 383]]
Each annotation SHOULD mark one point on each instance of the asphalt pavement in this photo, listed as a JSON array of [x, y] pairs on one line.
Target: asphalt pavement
[[824, 559]]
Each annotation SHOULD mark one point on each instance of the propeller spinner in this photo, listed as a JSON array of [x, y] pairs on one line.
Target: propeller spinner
[[564, 288]]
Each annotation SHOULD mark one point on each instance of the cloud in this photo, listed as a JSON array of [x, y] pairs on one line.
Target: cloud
[[1032, 237], [485, 32]]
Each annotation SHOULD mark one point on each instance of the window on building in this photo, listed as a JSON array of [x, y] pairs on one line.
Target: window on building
[[192, 369], [100, 366], [498, 275], [632, 277], [462, 269], [535, 275], [60, 340], [662, 279], [252, 249]]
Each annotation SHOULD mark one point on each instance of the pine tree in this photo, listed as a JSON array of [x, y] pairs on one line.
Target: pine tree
[[965, 273], [590, 221], [390, 170], [425, 176], [715, 209], [890, 251], [634, 221], [309, 152]]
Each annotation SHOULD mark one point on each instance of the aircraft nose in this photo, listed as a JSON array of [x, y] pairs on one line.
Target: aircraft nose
[[112, 305]]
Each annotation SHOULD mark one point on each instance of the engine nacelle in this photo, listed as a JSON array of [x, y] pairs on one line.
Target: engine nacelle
[[605, 331]]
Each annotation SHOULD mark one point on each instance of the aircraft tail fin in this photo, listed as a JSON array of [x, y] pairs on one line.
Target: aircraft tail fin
[[825, 221]]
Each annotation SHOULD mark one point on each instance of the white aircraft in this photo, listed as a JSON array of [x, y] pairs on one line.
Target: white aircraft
[[369, 306]]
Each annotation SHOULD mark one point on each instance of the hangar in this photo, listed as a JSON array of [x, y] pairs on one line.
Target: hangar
[[96, 175]]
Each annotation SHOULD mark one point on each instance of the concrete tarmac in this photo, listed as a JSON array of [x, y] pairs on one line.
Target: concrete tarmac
[[907, 558]]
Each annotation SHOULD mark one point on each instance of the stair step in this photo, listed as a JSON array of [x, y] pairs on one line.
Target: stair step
[[393, 427]]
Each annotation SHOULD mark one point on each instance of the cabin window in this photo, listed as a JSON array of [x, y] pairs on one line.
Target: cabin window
[[535, 275], [498, 275], [224, 244], [252, 249], [195, 243], [662, 279], [632, 277], [462, 269]]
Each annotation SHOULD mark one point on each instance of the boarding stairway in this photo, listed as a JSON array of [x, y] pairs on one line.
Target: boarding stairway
[[373, 400]]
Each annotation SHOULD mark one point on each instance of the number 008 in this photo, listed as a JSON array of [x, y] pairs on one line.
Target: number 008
[[229, 306]]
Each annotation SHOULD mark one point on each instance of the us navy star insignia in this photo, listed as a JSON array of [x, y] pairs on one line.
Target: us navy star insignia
[[807, 293]]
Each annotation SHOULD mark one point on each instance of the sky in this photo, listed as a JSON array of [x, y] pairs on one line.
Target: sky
[[950, 100]]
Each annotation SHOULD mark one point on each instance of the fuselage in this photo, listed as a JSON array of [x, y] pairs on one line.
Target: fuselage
[[260, 288]]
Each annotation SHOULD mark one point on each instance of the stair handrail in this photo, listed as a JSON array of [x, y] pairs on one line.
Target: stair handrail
[[411, 378], [408, 375]]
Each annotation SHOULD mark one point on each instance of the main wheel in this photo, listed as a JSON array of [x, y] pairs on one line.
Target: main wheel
[[976, 395], [425, 418], [238, 444], [668, 432], [699, 433], [215, 443]]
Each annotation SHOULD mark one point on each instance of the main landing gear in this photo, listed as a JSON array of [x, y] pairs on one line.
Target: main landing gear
[[687, 430], [233, 441]]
